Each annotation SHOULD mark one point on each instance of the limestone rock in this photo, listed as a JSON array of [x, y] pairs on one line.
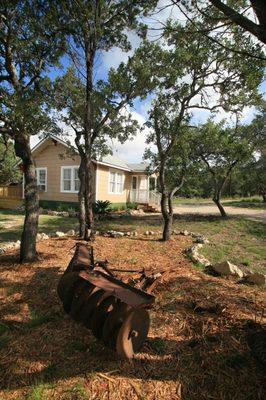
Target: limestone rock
[[42, 236], [59, 234], [118, 234], [72, 213], [203, 260], [257, 278], [71, 232], [202, 239], [226, 268], [51, 212], [63, 213]]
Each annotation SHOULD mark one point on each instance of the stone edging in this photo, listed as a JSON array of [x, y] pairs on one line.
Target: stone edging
[[224, 268]]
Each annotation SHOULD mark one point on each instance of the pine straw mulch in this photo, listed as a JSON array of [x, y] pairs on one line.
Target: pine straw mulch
[[196, 348]]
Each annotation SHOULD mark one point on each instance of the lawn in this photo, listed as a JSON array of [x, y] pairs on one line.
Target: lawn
[[11, 224], [237, 239], [247, 202], [44, 355]]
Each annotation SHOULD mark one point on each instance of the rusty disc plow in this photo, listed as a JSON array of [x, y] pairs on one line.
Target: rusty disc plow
[[114, 310]]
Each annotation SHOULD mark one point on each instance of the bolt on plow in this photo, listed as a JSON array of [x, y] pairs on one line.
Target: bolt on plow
[[116, 311]]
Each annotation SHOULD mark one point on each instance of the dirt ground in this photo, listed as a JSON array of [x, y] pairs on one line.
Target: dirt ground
[[193, 351], [211, 209]]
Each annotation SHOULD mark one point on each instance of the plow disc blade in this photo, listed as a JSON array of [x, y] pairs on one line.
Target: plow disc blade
[[132, 333], [115, 311], [100, 315]]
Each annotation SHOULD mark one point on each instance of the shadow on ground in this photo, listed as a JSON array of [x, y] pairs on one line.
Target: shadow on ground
[[205, 351]]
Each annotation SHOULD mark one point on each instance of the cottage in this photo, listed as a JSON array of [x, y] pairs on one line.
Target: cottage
[[114, 179]]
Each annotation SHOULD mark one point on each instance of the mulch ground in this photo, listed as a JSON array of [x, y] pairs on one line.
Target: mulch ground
[[196, 349]]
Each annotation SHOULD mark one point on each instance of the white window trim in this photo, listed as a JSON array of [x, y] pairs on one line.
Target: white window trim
[[72, 167], [37, 176], [109, 180]]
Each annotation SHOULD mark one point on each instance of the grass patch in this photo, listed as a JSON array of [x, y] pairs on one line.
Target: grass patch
[[248, 203], [11, 223], [77, 392], [40, 392]]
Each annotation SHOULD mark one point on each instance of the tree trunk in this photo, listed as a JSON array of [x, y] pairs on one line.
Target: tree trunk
[[81, 199], [217, 201], [168, 218], [30, 228], [264, 197], [89, 230]]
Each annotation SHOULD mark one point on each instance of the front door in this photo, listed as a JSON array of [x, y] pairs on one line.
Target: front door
[[143, 189]]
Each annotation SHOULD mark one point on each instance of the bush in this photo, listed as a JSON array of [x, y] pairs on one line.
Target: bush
[[132, 206], [101, 208], [118, 206], [58, 205]]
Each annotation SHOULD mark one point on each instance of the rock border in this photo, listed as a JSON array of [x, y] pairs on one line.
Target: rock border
[[224, 268]]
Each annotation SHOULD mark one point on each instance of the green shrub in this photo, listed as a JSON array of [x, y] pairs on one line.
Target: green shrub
[[101, 208], [63, 207], [132, 206], [58, 205]]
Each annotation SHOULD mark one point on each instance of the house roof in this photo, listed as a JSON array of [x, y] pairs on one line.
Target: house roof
[[115, 162], [110, 160], [138, 167]]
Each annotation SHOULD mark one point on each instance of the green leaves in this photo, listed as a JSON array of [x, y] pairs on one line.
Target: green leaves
[[30, 44]]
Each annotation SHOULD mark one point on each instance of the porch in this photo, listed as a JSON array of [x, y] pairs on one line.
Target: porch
[[143, 190], [145, 196]]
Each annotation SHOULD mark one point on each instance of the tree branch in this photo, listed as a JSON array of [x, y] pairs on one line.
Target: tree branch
[[241, 20]]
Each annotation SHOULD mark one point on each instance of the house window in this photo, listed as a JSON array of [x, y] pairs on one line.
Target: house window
[[152, 183], [116, 182], [134, 182], [41, 175], [119, 183], [69, 179], [76, 180]]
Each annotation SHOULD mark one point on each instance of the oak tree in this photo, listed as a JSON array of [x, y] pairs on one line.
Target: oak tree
[[29, 45]]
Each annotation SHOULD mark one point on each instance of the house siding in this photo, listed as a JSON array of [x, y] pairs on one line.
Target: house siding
[[50, 157], [103, 185]]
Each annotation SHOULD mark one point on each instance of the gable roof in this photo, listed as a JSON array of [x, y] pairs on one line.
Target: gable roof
[[139, 167], [109, 160]]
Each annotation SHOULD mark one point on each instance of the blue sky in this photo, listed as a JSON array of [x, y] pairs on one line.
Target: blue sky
[[132, 150]]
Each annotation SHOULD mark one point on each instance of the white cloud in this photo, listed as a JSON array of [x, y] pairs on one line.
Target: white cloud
[[132, 150], [112, 58]]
